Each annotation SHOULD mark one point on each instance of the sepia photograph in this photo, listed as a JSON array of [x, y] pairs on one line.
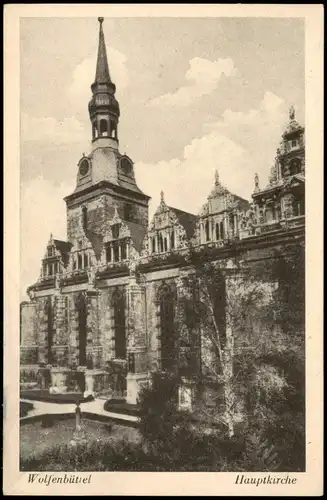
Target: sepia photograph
[[162, 247]]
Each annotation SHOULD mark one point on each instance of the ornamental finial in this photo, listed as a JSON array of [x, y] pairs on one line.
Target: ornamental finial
[[256, 182], [162, 198], [100, 19], [216, 177], [292, 112]]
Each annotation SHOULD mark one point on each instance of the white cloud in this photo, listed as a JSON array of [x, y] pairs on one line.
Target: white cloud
[[187, 182], [42, 211], [270, 112], [48, 128], [84, 74], [239, 145], [202, 78]]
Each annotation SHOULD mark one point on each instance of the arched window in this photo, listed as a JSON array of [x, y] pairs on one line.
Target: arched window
[[167, 300], [172, 240], [207, 230], [49, 340], [113, 130], [165, 244], [217, 231], [80, 262], [222, 232], [295, 166], [108, 253], [118, 302], [86, 261], [160, 243], [123, 251], [153, 244], [104, 128], [82, 327]]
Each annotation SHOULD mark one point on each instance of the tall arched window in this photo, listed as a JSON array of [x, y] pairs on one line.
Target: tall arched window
[[217, 231], [82, 327], [172, 240], [118, 302], [167, 301], [104, 128], [153, 244], [222, 232], [49, 339], [207, 230], [86, 261], [160, 243], [80, 262]]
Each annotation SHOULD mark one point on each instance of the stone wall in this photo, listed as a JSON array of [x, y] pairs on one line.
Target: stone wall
[[29, 337]]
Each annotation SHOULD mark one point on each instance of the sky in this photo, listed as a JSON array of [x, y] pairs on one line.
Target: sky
[[195, 94]]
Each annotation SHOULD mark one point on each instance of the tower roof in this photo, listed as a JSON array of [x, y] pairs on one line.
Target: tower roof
[[102, 74]]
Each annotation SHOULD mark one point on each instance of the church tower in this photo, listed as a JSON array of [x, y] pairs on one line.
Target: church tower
[[105, 185]]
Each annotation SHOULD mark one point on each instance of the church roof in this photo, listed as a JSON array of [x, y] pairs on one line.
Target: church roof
[[186, 219], [137, 234], [102, 74]]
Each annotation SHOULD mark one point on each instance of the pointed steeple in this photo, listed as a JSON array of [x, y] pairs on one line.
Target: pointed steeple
[[102, 74], [103, 106]]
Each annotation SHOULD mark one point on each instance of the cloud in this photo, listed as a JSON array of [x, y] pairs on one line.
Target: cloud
[[84, 74], [42, 211], [271, 112], [187, 181], [239, 145], [202, 79], [48, 128]]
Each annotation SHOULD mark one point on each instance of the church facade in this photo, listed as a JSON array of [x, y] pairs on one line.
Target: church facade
[[103, 313]]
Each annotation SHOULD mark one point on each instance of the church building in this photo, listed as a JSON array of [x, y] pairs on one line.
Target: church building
[[103, 313]]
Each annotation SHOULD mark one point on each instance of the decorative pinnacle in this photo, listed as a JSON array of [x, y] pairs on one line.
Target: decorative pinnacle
[[162, 199], [100, 19], [217, 177], [256, 181], [292, 113]]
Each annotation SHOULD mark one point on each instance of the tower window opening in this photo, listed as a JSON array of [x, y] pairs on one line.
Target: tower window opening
[[113, 129], [104, 128], [95, 131]]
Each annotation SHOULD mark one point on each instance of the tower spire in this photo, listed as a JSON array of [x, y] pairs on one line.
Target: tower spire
[[102, 74], [103, 106]]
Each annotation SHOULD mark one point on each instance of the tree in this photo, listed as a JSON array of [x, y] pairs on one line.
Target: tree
[[251, 322]]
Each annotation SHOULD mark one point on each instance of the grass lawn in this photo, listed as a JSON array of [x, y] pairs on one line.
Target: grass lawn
[[36, 439]]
